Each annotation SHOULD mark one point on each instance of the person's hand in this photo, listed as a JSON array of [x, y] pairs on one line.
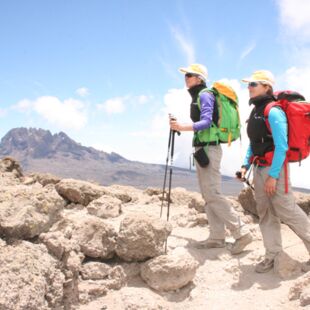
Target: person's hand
[[270, 186], [240, 175], [177, 127], [174, 125], [243, 171]]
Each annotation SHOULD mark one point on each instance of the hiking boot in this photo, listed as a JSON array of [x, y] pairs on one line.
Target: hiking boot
[[211, 244], [264, 266], [305, 267], [241, 243]]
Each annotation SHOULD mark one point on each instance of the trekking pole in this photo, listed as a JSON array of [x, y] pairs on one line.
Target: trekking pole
[[171, 136], [170, 174], [166, 169], [246, 179]]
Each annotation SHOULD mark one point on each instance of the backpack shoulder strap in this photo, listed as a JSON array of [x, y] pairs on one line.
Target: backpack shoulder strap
[[205, 90], [267, 111]]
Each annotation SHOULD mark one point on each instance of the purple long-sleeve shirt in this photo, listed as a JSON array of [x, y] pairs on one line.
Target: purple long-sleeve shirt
[[207, 101]]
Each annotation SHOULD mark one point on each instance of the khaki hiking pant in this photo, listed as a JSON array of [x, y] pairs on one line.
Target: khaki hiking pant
[[219, 211], [280, 206]]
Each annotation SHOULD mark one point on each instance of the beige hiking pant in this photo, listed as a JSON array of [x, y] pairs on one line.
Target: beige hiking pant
[[219, 211], [280, 206]]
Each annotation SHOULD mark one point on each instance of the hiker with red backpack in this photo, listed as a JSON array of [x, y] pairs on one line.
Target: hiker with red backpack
[[269, 152], [208, 135]]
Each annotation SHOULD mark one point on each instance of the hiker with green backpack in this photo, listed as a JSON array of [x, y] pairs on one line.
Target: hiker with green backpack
[[215, 120]]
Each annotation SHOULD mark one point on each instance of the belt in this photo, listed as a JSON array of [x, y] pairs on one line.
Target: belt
[[207, 143]]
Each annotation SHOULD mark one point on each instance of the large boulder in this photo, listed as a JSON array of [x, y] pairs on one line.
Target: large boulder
[[92, 235], [169, 272], [95, 271], [44, 178], [105, 207], [10, 172], [189, 218], [142, 298], [141, 237], [27, 211], [77, 191], [8, 179], [29, 278], [303, 200], [9, 164], [179, 196], [248, 202], [124, 193], [90, 289], [300, 290], [285, 266]]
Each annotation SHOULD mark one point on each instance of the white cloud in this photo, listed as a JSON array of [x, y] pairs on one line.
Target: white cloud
[[297, 78], [186, 46], [295, 17], [247, 50], [142, 99], [82, 91], [118, 104], [102, 147], [113, 105], [68, 114], [24, 105]]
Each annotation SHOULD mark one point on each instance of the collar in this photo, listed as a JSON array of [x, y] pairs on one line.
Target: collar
[[261, 100], [195, 90]]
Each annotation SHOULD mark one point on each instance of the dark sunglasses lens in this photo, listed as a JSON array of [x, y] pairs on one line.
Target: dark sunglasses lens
[[253, 84], [189, 75]]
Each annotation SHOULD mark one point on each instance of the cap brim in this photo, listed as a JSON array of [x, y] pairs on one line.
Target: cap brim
[[185, 70], [247, 80]]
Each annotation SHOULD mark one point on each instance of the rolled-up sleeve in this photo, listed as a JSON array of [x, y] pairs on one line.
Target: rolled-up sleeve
[[207, 101]]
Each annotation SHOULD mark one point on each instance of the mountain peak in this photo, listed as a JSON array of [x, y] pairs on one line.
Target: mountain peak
[[36, 143]]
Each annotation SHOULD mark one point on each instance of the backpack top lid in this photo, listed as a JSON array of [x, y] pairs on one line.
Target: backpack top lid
[[225, 90], [289, 95]]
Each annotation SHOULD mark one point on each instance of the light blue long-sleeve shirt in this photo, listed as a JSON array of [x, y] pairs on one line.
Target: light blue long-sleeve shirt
[[278, 124]]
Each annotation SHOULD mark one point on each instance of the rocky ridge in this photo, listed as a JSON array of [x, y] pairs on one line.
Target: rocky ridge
[[72, 244]]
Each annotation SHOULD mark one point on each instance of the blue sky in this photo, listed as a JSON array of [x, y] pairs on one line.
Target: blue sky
[[106, 72]]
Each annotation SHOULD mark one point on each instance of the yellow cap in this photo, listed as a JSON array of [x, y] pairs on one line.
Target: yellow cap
[[196, 69], [263, 76]]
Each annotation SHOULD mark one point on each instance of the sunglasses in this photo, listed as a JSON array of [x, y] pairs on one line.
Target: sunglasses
[[189, 75], [254, 84]]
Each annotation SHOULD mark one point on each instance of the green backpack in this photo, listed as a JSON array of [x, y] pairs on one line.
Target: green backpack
[[227, 129]]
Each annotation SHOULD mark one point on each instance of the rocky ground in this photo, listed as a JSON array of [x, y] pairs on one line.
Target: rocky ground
[[71, 244]]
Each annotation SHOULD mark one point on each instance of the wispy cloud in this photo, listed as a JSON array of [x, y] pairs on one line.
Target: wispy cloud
[[118, 105], [142, 99], [247, 50], [82, 91], [69, 114], [295, 18], [185, 44], [114, 105]]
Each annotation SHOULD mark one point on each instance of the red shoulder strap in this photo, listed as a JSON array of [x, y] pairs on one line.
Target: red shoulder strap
[[266, 112]]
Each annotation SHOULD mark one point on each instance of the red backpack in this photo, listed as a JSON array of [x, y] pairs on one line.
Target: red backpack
[[297, 111]]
